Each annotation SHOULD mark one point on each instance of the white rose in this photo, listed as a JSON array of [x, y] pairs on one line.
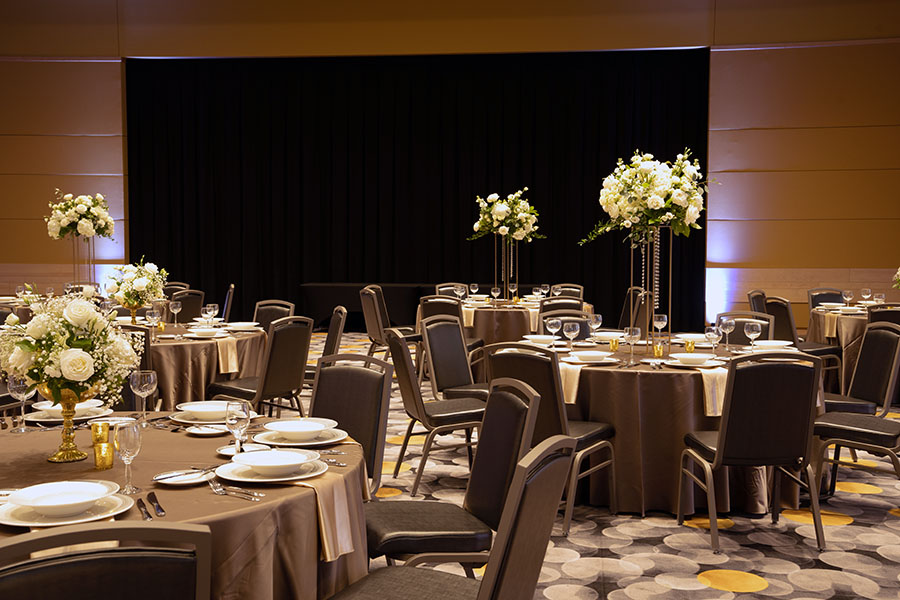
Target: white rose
[[20, 360], [79, 312], [120, 298], [87, 291], [152, 268], [655, 202], [76, 365], [112, 288], [493, 198], [500, 210], [99, 197], [72, 214], [37, 328], [67, 197], [140, 284], [129, 276], [86, 228], [647, 166], [12, 319], [692, 214], [81, 209], [503, 230], [679, 198], [519, 235], [475, 226], [82, 199], [122, 352], [129, 268]]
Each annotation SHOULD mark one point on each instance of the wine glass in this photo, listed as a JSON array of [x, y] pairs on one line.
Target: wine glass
[[495, 292], [571, 329], [659, 322], [460, 291], [127, 442], [152, 317], [20, 290], [212, 310], [713, 336], [847, 295], [726, 324], [595, 322], [18, 389], [106, 307], [68, 288], [878, 297], [536, 291], [175, 308], [552, 326], [632, 335], [473, 288], [49, 291], [545, 289], [865, 293], [556, 290], [513, 288], [237, 420], [143, 384], [752, 329]]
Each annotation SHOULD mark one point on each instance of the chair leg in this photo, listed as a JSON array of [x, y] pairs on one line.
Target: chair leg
[[711, 505], [832, 485], [372, 347], [613, 499], [426, 448], [469, 447], [775, 505], [470, 572], [679, 508], [814, 506], [409, 430], [570, 494], [853, 456]]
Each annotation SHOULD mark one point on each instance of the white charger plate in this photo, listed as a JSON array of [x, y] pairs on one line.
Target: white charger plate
[[326, 438], [207, 430], [219, 335], [182, 417], [22, 516], [244, 474], [189, 477], [42, 417], [604, 361], [707, 365]]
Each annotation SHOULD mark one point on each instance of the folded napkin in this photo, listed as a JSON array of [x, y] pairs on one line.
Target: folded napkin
[[569, 374], [468, 316], [831, 324], [534, 314], [714, 381], [228, 357]]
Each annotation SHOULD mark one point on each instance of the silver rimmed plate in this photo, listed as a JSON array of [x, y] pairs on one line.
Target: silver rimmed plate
[[593, 362], [229, 450], [42, 417], [22, 516], [207, 430], [243, 474], [187, 477], [327, 437], [707, 365], [186, 419]]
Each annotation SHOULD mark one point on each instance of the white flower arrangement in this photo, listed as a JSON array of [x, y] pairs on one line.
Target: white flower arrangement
[[137, 285], [647, 193], [84, 216], [69, 344], [511, 217], [896, 285]]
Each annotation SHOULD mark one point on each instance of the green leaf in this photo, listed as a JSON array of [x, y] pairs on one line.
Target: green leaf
[[26, 345]]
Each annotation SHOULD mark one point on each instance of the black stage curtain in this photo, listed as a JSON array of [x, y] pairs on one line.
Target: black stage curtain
[[273, 172]]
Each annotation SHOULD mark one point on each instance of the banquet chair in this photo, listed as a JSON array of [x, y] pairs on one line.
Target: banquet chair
[[872, 388], [560, 303], [267, 311], [571, 290], [430, 306], [786, 329], [229, 301], [757, 299], [635, 307], [575, 316], [191, 303], [377, 319], [884, 312], [766, 321], [767, 420], [447, 359], [332, 339], [174, 286], [172, 560], [517, 555], [438, 417], [449, 289], [5, 311], [78, 286], [817, 296], [403, 530], [539, 368], [283, 370], [355, 391]]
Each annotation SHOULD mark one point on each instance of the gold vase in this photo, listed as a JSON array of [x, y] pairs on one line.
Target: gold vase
[[67, 451], [133, 308]]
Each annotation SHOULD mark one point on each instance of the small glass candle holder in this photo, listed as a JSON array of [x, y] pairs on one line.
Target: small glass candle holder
[[104, 455], [658, 350], [688, 345], [614, 345], [99, 433]]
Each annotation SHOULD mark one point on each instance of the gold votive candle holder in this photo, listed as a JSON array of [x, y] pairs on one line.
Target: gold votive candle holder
[[614, 345], [99, 433], [103, 456], [658, 350], [688, 345]]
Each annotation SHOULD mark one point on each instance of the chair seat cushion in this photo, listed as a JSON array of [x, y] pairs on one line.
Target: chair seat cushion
[[454, 410], [406, 583], [817, 349], [472, 390], [398, 527], [588, 433], [865, 429], [473, 342], [703, 442], [242, 388], [838, 403]]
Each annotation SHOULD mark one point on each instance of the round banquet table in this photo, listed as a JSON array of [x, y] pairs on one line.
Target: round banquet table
[[846, 330], [263, 550]]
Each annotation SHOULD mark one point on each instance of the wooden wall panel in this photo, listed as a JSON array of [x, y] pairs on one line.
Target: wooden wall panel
[[31, 193], [58, 28], [61, 155]]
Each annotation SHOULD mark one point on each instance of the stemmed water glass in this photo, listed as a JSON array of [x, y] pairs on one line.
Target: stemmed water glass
[[106, 307], [473, 288], [726, 324], [460, 291], [595, 322], [175, 308], [659, 323], [571, 329], [878, 297], [632, 335], [237, 420], [143, 384], [495, 292], [536, 291], [552, 326], [18, 389], [513, 288], [847, 295], [752, 329], [545, 289], [127, 442], [213, 309], [865, 293], [713, 336], [49, 292], [556, 290], [152, 317]]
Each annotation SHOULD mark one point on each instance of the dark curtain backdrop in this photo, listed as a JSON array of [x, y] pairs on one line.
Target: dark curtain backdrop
[[278, 171]]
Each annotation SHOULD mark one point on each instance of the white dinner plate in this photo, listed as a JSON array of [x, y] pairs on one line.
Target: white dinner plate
[[22, 516], [42, 417], [244, 474], [326, 438], [219, 335], [584, 344], [207, 430], [214, 319], [188, 477], [229, 450], [707, 365], [185, 418], [113, 421], [604, 361]]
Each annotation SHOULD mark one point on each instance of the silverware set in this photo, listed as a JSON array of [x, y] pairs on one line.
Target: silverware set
[[154, 502], [230, 490]]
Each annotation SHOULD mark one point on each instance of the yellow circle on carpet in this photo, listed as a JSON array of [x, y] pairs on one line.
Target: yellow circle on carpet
[[895, 512], [865, 463], [387, 492], [416, 440], [853, 487], [893, 415], [829, 517], [387, 467], [703, 523], [732, 581]]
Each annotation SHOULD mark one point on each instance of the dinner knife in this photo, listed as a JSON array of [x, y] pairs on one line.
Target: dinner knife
[[143, 508], [156, 505]]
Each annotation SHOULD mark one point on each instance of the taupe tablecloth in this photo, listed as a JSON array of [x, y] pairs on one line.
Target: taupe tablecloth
[[264, 550], [845, 330], [501, 324]]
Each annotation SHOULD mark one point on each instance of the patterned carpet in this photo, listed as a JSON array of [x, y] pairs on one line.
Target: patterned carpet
[[627, 557]]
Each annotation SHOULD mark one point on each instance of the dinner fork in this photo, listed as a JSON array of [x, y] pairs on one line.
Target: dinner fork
[[220, 490]]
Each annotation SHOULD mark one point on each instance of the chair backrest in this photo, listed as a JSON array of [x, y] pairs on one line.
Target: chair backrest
[[449, 289], [531, 504], [878, 365], [191, 303], [766, 321], [229, 300], [817, 296], [784, 328], [634, 309], [355, 391], [284, 363], [539, 368], [561, 303], [572, 290], [267, 311], [375, 325], [410, 392], [430, 306], [78, 286], [381, 304], [335, 331], [503, 440], [445, 351], [769, 410], [884, 312], [161, 567], [568, 316], [757, 299], [174, 286]]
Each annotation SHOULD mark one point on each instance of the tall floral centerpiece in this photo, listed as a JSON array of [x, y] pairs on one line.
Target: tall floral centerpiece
[[511, 220], [896, 283], [81, 218], [71, 353], [644, 197], [134, 286]]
